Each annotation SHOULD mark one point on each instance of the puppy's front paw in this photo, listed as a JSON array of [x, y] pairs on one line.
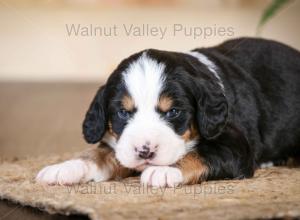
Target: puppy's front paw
[[162, 176], [70, 172]]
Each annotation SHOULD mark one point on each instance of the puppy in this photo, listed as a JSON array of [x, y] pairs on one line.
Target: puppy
[[182, 118]]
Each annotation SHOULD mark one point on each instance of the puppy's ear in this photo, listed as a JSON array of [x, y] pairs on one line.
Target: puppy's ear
[[95, 122], [212, 111]]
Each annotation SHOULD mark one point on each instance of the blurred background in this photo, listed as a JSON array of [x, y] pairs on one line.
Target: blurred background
[[54, 54]]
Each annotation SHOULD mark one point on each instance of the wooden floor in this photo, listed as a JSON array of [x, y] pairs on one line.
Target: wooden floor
[[12, 211], [42, 118]]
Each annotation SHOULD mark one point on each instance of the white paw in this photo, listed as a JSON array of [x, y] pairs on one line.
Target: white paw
[[70, 172], [162, 176]]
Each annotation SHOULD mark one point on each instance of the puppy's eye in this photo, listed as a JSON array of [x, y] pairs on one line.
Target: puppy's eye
[[173, 113], [123, 114]]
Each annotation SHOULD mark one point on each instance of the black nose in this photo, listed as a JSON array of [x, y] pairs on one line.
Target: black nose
[[145, 152]]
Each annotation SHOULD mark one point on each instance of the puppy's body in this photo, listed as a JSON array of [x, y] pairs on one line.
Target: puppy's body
[[262, 86], [212, 113]]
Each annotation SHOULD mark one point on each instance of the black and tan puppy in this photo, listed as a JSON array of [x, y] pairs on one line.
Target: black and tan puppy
[[183, 118]]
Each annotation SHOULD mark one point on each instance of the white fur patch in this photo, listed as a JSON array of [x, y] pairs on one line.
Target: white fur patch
[[110, 140], [210, 65], [162, 176], [266, 165], [72, 172], [144, 80]]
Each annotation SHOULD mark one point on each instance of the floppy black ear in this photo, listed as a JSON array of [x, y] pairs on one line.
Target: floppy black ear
[[212, 111], [95, 122]]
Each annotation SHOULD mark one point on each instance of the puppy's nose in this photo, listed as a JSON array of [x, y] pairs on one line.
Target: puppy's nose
[[145, 152]]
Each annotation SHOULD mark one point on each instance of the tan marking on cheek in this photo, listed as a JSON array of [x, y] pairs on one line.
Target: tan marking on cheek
[[190, 134], [193, 169], [165, 103], [127, 103], [187, 135], [111, 132]]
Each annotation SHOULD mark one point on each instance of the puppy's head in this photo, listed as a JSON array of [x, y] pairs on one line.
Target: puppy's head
[[154, 108]]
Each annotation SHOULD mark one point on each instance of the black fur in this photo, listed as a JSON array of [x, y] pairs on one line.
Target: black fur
[[262, 85], [254, 120], [95, 122]]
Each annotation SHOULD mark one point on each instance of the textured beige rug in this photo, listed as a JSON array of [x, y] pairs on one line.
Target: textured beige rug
[[272, 193]]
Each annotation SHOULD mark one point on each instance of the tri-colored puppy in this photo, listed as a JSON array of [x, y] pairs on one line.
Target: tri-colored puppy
[[183, 118]]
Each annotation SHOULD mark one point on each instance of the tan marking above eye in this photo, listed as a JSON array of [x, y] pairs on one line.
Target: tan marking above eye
[[127, 103], [165, 103]]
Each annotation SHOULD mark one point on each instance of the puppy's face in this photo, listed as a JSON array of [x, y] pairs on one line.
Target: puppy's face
[[148, 110]]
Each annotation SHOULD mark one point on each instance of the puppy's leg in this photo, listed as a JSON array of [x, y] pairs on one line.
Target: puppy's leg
[[188, 170], [97, 164]]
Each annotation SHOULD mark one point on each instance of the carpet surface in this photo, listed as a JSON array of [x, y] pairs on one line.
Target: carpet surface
[[272, 193]]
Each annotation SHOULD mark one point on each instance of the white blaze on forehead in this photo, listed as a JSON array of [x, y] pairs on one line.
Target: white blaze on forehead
[[144, 81]]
